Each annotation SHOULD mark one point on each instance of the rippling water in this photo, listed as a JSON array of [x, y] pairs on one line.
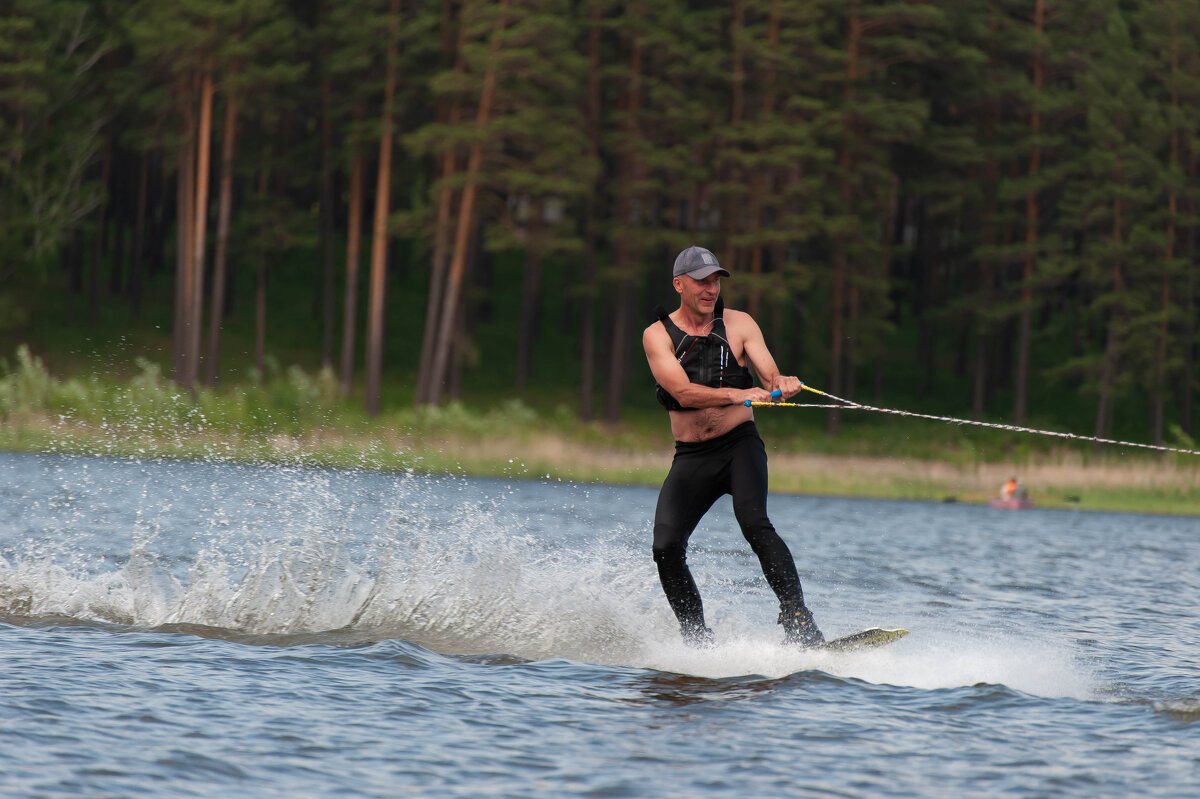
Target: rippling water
[[220, 630]]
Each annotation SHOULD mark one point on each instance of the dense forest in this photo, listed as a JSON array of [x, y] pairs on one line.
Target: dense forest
[[1000, 190]]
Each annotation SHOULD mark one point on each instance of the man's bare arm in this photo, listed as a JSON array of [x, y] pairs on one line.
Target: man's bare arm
[[754, 346]]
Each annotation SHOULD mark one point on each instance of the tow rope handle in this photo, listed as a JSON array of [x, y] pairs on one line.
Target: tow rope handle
[[776, 395]]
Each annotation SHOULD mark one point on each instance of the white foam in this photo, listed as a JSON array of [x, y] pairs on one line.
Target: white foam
[[922, 660]]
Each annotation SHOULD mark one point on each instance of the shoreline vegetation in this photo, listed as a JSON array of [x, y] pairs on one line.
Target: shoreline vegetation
[[296, 419]]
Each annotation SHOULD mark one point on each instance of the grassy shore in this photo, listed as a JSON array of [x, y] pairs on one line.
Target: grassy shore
[[295, 419]]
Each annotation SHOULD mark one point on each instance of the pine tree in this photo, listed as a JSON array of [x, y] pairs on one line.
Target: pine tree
[[1169, 36], [659, 138], [197, 49], [767, 141], [253, 59], [509, 140], [867, 119], [959, 170], [592, 209], [481, 52], [379, 237], [349, 44], [177, 41], [544, 169], [450, 106], [1111, 203], [52, 128]]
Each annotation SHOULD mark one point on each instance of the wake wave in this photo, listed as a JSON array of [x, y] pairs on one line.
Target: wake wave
[[469, 579], [467, 583]]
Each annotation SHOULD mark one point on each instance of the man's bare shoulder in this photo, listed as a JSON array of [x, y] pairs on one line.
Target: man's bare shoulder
[[655, 334], [739, 322], [736, 316]]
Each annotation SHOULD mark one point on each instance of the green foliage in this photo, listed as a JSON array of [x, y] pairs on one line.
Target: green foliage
[[25, 388], [287, 400], [866, 168], [50, 126], [508, 418]]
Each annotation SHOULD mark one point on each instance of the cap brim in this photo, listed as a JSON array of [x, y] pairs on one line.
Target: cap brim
[[705, 271]]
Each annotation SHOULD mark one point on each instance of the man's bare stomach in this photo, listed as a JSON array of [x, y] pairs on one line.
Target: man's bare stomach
[[708, 423]]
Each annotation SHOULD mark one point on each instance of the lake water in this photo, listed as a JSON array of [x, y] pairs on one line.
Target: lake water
[[171, 629]]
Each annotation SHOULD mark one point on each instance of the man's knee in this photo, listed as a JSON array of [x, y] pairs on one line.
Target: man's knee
[[669, 546]]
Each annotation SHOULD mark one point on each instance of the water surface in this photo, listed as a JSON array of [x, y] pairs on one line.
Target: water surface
[[211, 629]]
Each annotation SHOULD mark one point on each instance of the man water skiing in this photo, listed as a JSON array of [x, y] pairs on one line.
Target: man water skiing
[[697, 355]]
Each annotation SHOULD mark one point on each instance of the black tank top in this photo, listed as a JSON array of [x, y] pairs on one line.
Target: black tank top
[[707, 360]]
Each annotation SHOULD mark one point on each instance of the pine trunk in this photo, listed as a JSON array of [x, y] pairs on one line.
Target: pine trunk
[[185, 202], [139, 234], [986, 279], [1189, 334], [350, 298], [328, 243], [452, 46], [587, 317], [529, 298], [447, 324], [117, 191], [618, 364], [98, 242], [203, 152], [260, 293], [763, 179], [731, 255], [157, 257], [1031, 221], [116, 266], [260, 320], [73, 264], [224, 210], [928, 262], [840, 261], [1160, 355], [1104, 410], [378, 277], [587, 350], [438, 267]]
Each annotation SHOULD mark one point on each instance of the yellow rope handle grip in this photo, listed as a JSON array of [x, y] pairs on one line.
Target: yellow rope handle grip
[[774, 403]]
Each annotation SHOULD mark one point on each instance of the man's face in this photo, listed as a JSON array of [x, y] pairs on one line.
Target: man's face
[[699, 296]]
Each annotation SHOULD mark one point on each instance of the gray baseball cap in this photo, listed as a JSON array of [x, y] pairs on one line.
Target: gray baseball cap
[[698, 263]]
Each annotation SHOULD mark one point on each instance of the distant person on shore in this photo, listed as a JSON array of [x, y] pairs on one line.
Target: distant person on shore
[[698, 356]]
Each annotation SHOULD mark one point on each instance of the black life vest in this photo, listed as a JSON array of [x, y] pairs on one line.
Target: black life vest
[[708, 360]]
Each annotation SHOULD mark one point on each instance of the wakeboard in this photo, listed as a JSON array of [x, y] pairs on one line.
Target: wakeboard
[[865, 639]]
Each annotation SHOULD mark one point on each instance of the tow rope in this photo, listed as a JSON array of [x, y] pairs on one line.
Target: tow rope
[[845, 404]]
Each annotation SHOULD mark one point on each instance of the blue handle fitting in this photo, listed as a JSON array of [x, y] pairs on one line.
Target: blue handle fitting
[[775, 395]]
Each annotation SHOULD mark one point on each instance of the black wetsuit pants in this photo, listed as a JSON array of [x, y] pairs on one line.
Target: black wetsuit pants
[[736, 464]]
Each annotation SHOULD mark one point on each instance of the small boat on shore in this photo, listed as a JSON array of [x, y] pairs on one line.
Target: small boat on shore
[[1012, 503]]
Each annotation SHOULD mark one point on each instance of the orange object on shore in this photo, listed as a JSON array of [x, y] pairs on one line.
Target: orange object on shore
[[1007, 491]]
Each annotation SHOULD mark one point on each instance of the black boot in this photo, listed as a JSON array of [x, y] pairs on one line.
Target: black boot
[[799, 629]]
